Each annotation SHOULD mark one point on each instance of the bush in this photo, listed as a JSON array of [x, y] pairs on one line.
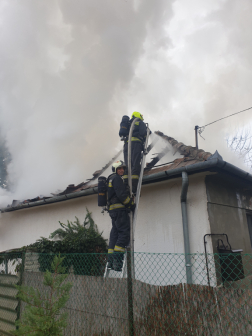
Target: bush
[[42, 311], [74, 238]]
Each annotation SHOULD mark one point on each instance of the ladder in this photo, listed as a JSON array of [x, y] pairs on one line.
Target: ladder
[[108, 272]]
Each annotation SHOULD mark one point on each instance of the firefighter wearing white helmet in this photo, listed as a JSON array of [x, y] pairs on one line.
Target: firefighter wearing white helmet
[[118, 164], [119, 205], [137, 142]]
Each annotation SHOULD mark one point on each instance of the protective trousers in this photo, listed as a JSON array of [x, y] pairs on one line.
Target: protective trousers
[[136, 149], [120, 232]]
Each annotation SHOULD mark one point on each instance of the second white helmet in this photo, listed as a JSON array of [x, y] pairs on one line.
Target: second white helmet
[[117, 164]]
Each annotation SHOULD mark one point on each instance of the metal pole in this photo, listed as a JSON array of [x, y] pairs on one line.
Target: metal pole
[[130, 252], [196, 136], [130, 295], [130, 187], [205, 242]]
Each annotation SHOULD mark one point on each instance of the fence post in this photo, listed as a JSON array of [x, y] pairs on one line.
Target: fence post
[[6, 264], [20, 284], [130, 294]]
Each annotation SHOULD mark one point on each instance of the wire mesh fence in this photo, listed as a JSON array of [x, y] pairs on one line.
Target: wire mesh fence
[[211, 295]]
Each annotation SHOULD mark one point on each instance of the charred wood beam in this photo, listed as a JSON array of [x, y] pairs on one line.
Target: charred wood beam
[[98, 173], [72, 188]]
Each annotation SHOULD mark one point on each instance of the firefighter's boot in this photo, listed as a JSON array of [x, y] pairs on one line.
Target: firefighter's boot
[[110, 260], [118, 261], [134, 185]]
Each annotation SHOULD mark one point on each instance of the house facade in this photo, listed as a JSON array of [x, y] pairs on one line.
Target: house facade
[[218, 203], [159, 226]]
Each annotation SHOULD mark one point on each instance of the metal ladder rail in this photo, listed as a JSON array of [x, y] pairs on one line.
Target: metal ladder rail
[[145, 152], [133, 220], [130, 271], [122, 275], [139, 187]]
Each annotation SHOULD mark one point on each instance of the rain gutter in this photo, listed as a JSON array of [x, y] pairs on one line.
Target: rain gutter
[[190, 169], [55, 199], [201, 166]]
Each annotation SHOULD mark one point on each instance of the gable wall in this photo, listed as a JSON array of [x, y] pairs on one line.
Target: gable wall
[[229, 199]]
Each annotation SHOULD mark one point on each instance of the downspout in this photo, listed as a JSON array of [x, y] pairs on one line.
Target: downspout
[[183, 199]]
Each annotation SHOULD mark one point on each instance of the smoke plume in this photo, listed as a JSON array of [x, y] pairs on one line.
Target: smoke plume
[[70, 70]]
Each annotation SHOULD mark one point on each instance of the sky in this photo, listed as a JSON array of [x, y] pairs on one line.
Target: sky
[[70, 70]]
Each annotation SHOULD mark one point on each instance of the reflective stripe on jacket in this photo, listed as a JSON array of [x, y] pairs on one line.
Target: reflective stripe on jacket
[[135, 139], [118, 194], [116, 206]]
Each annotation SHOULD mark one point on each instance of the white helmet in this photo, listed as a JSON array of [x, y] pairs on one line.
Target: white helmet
[[117, 164]]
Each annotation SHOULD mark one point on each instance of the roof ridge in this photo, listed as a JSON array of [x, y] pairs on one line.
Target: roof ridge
[[180, 147]]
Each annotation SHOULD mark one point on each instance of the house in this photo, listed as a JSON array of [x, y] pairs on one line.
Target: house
[[218, 205]]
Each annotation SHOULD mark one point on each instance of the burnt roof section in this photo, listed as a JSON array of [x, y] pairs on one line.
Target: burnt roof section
[[191, 155], [84, 185], [71, 188], [187, 151]]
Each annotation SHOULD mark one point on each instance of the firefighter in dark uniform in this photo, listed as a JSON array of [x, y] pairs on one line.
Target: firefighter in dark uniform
[[119, 205], [137, 143]]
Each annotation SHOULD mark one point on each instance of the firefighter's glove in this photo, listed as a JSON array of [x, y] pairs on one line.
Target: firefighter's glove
[[132, 205]]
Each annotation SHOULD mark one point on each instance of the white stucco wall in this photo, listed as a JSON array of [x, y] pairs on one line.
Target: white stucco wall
[[23, 227], [159, 228]]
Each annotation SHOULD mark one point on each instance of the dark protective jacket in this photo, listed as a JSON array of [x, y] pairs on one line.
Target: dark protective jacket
[[137, 141], [140, 130], [118, 194]]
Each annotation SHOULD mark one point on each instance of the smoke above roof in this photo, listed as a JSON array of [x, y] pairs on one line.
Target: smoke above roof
[[70, 70]]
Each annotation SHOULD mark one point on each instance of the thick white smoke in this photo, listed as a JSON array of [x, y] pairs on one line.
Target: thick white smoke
[[202, 75], [70, 70]]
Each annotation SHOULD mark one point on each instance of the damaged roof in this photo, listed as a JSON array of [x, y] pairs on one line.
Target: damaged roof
[[193, 160]]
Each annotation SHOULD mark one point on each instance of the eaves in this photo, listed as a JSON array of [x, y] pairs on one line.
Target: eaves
[[210, 165]]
